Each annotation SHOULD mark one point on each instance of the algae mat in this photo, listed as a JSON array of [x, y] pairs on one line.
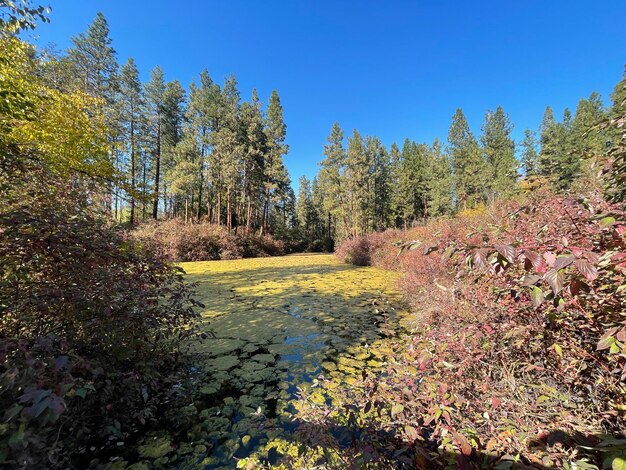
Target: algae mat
[[279, 325]]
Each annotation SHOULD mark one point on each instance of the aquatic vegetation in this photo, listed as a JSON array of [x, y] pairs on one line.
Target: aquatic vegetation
[[279, 328]]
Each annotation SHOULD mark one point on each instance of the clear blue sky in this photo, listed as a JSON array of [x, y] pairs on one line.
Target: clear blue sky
[[389, 68]]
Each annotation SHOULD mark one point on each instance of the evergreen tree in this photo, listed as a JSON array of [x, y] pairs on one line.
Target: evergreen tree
[[132, 118], [440, 182], [618, 111], [549, 154], [529, 154], [254, 143], [91, 66], [94, 60], [586, 140], [228, 144], [499, 151], [155, 100], [411, 185], [275, 173], [357, 176], [171, 134], [397, 200], [470, 178], [331, 176], [304, 207], [323, 218], [380, 198]]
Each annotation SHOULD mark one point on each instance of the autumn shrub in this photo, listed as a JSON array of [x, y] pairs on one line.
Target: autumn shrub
[[91, 325], [518, 350], [253, 245], [361, 250], [180, 241]]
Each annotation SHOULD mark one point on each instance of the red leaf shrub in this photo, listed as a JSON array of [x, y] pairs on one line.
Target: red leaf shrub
[[178, 241], [519, 334], [90, 326]]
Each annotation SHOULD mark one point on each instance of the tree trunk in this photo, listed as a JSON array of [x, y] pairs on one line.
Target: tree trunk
[[228, 210], [218, 207], [249, 216], [201, 184], [157, 173], [132, 172], [265, 212]]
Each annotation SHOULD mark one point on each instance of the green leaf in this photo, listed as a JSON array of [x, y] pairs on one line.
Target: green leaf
[[607, 221], [558, 349], [537, 296], [397, 408], [619, 462]]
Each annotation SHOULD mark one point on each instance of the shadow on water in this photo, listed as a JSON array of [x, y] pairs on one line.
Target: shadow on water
[[278, 325], [377, 448]]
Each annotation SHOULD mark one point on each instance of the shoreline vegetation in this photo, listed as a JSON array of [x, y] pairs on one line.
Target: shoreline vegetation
[[502, 345]]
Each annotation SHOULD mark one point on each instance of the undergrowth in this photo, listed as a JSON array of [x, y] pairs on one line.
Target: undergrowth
[[519, 346], [178, 241]]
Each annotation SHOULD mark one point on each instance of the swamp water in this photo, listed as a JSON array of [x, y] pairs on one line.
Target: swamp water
[[279, 325]]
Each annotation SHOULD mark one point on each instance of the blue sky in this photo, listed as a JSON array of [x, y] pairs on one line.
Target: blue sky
[[389, 68]]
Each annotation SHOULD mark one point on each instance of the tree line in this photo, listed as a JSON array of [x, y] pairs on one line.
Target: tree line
[[362, 186], [200, 153]]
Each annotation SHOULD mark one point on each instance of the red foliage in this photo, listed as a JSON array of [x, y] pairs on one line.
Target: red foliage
[[519, 314], [90, 327], [178, 241]]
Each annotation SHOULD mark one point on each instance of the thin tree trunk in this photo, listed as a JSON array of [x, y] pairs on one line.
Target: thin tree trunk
[[201, 184], [132, 172], [249, 216], [228, 210], [157, 173], [218, 207]]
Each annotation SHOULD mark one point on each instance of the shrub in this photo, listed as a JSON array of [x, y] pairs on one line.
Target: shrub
[[178, 241], [519, 312], [90, 325]]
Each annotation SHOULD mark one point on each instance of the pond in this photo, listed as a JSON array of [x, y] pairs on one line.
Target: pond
[[278, 325]]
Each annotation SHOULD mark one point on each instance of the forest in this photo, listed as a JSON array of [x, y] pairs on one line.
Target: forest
[[454, 304]]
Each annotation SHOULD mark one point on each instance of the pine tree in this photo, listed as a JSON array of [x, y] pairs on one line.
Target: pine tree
[[470, 178], [529, 154], [132, 116], [332, 176], [304, 207], [155, 100], [499, 151], [275, 173], [587, 140], [171, 135], [92, 67], [323, 229], [380, 199], [411, 185], [397, 200], [254, 149], [228, 144], [549, 154], [440, 182], [357, 175], [618, 112], [94, 60]]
